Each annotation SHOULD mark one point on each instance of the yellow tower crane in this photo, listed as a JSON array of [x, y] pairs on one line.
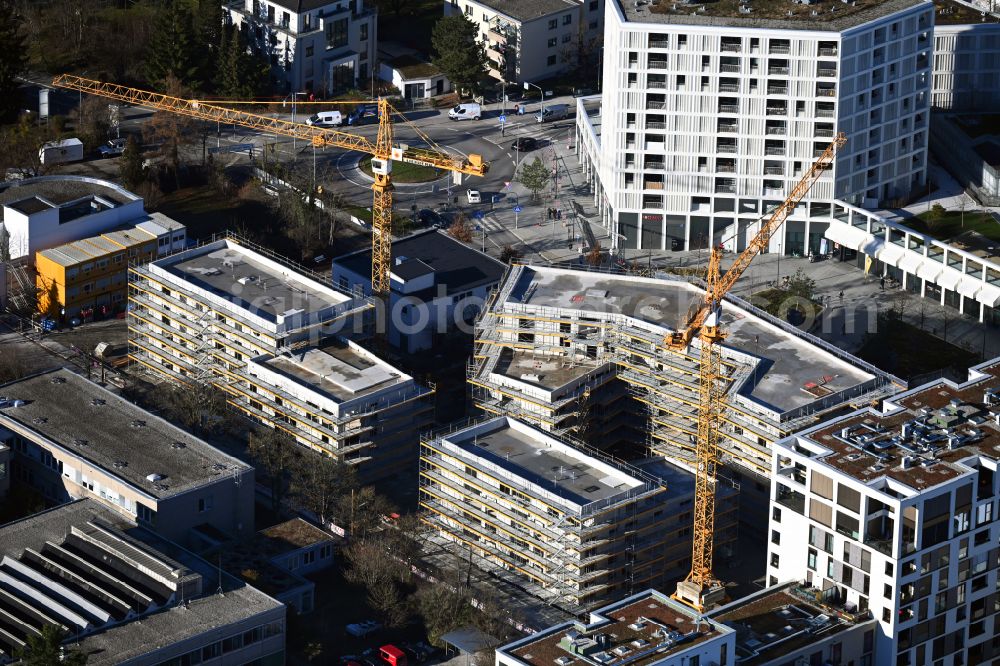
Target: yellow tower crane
[[701, 589], [383, 151]]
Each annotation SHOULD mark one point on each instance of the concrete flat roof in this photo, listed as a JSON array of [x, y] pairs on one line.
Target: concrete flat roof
[[789, 364], [528, 10], [338, 370], [110, 432], [548, 371], [830, 15], [63, 189], [250, 280], [545, 462]]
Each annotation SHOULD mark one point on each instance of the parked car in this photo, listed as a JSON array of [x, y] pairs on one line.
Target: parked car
[[359, 629], [466, 112], [113, 148], [392, 655], [429, 217], [523, 143], [326, 119], [474, 196]]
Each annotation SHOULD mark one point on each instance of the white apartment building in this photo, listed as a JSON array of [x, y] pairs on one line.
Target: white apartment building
[[708, 118], [966, 59], [532, 40], [893, 513], [49, 211], [315, 46]]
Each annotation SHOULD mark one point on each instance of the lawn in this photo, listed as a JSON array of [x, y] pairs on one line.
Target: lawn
[[404, 172], [951, 224]]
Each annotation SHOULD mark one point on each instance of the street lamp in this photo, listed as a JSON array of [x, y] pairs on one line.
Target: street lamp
[[293, 97], [526, 84]]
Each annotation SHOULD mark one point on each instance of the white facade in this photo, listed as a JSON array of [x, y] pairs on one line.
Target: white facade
[[707, 124], [533, 41], [315, 46], [892, 513], [967, 67], [37, 222]]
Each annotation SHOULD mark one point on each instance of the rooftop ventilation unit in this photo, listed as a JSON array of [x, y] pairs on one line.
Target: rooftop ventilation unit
[[8, 402], [154, 477], [178, 445]]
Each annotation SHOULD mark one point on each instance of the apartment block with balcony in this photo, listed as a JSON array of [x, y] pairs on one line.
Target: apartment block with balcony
[[323, 47], [966, 58], [582, 353], [572, 526], [89, 277], [710, 117], [892, 513], [72, 439], [533, 40]]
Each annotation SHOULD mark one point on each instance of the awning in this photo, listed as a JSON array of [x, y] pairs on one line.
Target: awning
[[989, 295], [948, 279], [929, 269], [890, 253], [872, 246], [846, 235], [969, 287], [910, 261]]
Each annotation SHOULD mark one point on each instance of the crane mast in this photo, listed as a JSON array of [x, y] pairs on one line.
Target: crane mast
[[383, 150], [701, 589]]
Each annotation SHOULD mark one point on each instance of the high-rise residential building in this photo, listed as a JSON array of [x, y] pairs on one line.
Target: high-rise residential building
[[323, 47], [893, 512], [711, 113]]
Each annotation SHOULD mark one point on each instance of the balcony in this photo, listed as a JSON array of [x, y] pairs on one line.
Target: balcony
[[826, 92], [729, 68], [659, 43], [880, 543], [779, 49], [774, 171], [729, 128], [827, 51], [725, 167], [791, 499], [729, 87], [777, 90], [824, 132], [729, 108], [776, 110], [496, 37], [658, 64], [653, 165], [726, 148], [780, 71], [655, 125], [653, 185], [827, 71], [732, 47], [829, 603], [775, 130], [774, 150], [725, 188], [656, 84], [825, 113]]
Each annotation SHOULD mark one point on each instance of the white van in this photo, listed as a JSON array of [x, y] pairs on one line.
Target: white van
[[466, 112], [554, 112], [59, 152], [326, 119]]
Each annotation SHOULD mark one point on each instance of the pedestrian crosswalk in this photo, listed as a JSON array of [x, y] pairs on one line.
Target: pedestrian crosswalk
[[491, 224]]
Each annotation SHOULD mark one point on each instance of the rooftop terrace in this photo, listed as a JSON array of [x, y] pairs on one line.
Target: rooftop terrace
[[792, 371], [827, 15], [99, 426], [339, 370], [644, 629], [920, 443], [538, 459], [948, 12], [250, 280]]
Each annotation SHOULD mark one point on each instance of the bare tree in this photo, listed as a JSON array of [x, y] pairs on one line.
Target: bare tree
[[273, 451], [460, 230], [319, 483]]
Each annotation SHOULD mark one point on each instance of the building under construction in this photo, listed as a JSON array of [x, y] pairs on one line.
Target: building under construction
[[566, 523], [582, 353]]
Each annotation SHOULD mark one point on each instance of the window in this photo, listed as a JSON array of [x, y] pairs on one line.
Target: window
[[567, 38], [206, 503], [468, 10], [309, 51], [776, 537], [776, 514], [551, 60], [567, 19], [593, 5], [552, 42], [811, 559], [364, 31], [553, 24], [774, 560], [887, 591], [336, 34]]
